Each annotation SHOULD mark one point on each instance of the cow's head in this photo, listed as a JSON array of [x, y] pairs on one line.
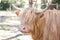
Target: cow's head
[[30, 18]]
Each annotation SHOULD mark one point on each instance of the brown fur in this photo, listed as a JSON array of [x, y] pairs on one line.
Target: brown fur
[[43, 26]]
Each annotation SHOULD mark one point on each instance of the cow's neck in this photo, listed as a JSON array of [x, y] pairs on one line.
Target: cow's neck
[[50, 31], [37, 36], [38, 30]]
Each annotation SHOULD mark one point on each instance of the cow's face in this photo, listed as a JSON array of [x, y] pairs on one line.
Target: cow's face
[[28, 19]]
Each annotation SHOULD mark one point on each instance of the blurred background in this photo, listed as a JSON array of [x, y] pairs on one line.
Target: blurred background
[[6, 4], [9, 21]]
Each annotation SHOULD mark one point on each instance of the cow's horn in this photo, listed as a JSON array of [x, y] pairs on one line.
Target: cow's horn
[[16, 7]]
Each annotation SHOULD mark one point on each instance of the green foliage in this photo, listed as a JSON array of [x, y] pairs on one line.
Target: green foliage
[[53, 1], [59, 7], [22, 3], [43, 6], [56, 1], [43, 1], [4, 5]]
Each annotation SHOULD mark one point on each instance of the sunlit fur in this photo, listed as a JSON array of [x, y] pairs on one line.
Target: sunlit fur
[[42, 26]]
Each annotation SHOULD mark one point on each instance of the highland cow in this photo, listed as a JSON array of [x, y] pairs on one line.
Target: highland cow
[[42, 25]]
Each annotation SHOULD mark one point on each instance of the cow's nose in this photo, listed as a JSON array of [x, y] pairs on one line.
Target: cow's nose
[[22, 28]]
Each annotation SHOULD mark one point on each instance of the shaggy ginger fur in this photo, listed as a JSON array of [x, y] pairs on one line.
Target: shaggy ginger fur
[[42, 26]]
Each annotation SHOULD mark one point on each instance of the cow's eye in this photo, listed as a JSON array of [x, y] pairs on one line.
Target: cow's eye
[[41, 15]]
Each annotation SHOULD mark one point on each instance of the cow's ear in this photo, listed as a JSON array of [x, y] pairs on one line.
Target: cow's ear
[[17, 12]]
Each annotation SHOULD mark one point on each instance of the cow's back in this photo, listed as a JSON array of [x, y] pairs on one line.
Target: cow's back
[[52, 27], [58, 23]]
